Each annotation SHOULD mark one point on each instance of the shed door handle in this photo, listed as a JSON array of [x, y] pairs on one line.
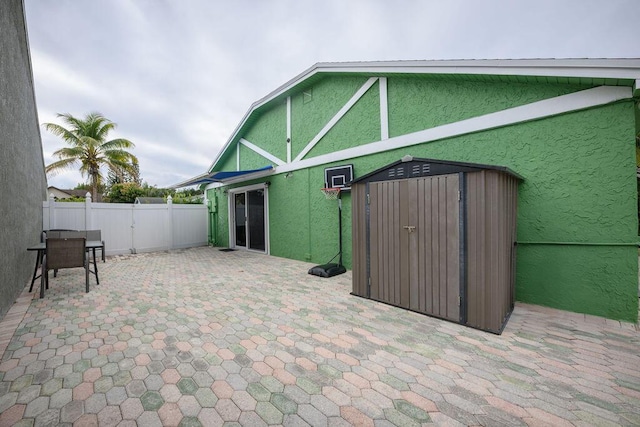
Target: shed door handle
[[410, 228]]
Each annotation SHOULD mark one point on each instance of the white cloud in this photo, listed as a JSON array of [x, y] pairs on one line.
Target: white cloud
[[52, 74]]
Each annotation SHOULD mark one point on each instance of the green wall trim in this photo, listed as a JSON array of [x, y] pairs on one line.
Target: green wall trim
[[581, 243]]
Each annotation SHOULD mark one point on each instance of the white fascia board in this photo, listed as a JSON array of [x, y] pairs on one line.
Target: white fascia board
[[587, 68], [550, 107], [261, 152]]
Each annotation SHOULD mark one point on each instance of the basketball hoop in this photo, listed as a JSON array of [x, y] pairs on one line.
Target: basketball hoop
[[331, 193]]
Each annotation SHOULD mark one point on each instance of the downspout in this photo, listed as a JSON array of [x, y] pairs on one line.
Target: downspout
[[213, 219], [309, 254]]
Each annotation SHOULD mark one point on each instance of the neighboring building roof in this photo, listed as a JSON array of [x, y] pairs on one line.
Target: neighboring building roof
[[58, 192], [77, 193], [63, 193], [149, 200], [612, 72]]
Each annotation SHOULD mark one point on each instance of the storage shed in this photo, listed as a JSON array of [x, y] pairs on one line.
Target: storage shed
[[437, 237]]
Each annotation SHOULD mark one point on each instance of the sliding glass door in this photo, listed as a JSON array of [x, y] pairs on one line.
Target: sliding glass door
[[249, 222], [241, 219], [255, 215]]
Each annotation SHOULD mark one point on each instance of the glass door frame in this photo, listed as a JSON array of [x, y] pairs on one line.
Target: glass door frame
[[231, 198]]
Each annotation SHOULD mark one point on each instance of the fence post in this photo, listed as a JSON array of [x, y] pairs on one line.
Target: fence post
[[170, 220], [87, 211], [52, 211]]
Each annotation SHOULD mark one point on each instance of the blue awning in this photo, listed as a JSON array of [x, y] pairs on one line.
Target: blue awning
[[225, 176]]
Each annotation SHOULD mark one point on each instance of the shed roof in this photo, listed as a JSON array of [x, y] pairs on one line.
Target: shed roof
[[433, 167]]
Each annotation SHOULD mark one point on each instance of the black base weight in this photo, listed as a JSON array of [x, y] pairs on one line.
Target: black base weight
[[327, 270]]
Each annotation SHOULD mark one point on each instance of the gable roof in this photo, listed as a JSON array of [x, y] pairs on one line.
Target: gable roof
[[67, 192], [611, 72]]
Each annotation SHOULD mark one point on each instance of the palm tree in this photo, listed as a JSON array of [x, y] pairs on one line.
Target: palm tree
[[89, 148]]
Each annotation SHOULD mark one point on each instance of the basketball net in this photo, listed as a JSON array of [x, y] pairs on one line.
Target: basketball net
[[331, 193]]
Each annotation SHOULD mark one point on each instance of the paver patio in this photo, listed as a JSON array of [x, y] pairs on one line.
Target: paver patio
[[204, 337]]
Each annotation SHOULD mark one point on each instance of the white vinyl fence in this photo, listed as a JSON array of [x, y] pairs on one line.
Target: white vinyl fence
[[129, 228]]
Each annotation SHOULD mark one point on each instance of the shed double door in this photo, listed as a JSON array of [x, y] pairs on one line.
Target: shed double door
[[414, 244]]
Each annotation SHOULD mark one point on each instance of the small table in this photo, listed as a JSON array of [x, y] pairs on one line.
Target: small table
[[42, 249]]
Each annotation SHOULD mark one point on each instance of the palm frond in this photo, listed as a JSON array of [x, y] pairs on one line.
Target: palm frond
[[62, 132], [121, 155], [74, 122], [117, 144], [68, 153], [61, 165], [101, 134], [95, 124]]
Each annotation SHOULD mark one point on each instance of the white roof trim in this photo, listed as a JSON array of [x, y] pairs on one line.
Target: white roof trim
[[576, 68]]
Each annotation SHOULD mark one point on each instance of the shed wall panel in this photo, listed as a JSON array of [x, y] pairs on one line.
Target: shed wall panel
[[491, 205], [359, 238]]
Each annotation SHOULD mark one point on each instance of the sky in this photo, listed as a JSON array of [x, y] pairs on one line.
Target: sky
[[177, 76]]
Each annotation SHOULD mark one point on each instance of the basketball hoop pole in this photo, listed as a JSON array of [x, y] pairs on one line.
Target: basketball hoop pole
[[340, 227], [331, 269], [336, 179], [335, 193]]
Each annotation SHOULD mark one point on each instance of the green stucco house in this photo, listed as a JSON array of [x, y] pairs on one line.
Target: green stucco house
[[566, 127]]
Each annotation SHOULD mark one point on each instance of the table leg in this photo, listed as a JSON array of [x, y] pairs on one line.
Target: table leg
[[42, 279], [35, 269], [95, 266]]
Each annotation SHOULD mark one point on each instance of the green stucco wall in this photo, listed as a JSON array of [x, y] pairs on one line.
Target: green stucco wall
[[360, 125], [270, 133], [579, 187], [420, 103], [310, 113]]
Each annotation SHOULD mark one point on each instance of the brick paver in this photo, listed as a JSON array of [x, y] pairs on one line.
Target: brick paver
[[200, 337]]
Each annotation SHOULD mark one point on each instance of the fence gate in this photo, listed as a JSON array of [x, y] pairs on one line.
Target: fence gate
[[415, 244]]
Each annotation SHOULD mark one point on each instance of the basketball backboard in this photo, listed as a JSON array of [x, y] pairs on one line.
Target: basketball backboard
[[338, 177]]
